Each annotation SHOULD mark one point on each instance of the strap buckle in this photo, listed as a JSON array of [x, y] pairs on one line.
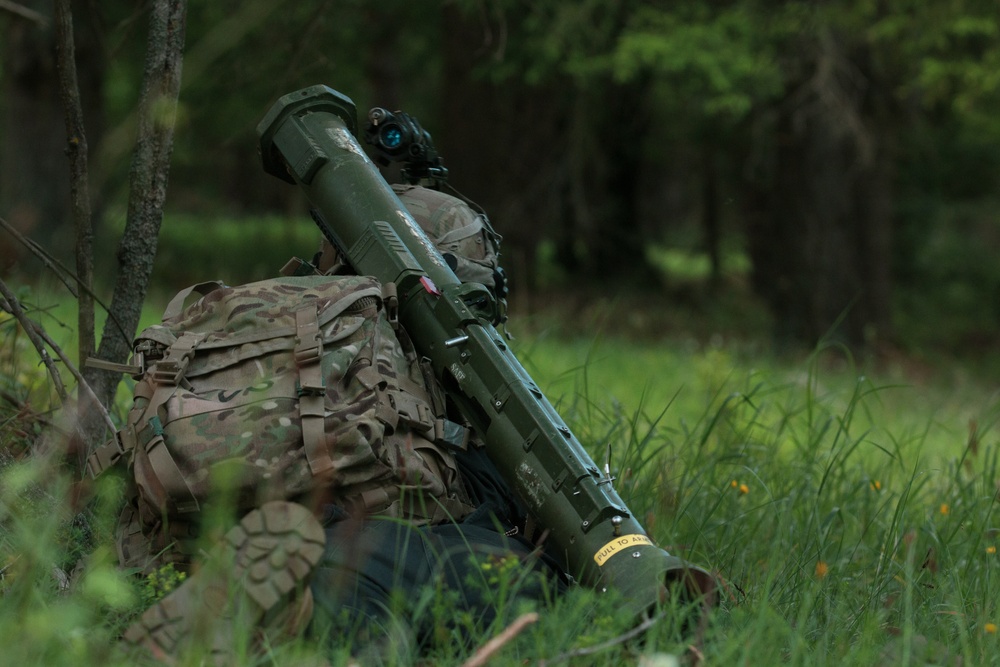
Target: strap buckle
[[170, 371], [105, 456]]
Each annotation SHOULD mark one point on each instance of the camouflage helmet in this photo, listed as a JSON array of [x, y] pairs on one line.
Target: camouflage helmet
[[463, 236]]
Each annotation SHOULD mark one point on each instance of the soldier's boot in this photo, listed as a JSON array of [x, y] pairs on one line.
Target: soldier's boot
[[252, 586]]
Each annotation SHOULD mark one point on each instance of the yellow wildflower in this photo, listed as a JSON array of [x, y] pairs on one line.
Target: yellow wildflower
[[821, 569], [991, 550], [744, 489], [734, 484], [876, 485], [945, 508], [990, 628]]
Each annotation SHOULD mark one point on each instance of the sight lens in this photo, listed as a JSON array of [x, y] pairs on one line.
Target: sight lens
[[392, 136]]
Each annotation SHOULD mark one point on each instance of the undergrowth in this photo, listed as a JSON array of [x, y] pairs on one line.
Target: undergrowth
[[848, 524]]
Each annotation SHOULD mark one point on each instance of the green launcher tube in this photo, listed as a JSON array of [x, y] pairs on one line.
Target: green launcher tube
[[308, 138]]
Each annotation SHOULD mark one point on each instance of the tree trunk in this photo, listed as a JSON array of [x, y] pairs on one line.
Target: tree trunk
[[504, 144], [34, 189], [820, 240], [711, 225], [147, 189], [609, 174]]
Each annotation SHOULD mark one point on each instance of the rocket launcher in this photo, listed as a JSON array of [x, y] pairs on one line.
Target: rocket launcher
[[308, 138]]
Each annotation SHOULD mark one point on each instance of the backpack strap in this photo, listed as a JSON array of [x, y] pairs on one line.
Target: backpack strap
[[167, 470], [176, 304], [461, 233], [156, 388], [106, 455], [167, 373], [311, 389]]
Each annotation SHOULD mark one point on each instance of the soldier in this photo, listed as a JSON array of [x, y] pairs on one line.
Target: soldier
[[359, 472], [381, 549], [383, 563]]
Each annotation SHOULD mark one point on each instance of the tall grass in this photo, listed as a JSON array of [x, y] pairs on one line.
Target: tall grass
[[851, 519]]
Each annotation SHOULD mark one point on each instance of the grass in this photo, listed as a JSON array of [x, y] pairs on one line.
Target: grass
[[851, 515]]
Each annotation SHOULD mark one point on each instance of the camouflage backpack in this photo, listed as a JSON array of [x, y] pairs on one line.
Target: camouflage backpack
[[464, 237], [281, 389]]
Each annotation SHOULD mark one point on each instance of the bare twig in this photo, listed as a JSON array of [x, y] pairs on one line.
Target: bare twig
[[40, 339], [490, 648], [94, 404], [603, 646], [38, 251], [13, 306], [67, 277], [25, 12]]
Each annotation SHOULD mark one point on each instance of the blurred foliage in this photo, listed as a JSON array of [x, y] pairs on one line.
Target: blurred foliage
[[694, 86]]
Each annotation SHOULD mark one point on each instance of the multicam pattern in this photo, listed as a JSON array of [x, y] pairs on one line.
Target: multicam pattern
[[456, 230], [233, 423], [453, 227]]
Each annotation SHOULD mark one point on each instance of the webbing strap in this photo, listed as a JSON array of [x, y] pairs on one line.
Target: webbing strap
[[422, 509], [111, 452], [311, 389], [158, 386], [390, 299], [412, 410], [176, 305], [171, 368], [105, 456], [168, 472], [410, 504], [460, 233]]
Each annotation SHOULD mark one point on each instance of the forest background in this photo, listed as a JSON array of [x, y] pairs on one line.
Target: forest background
[[825, 170], [753, 175]]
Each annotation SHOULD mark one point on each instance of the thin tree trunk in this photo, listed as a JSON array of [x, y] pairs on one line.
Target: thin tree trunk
[[76, 151], [147, 189], [821, 239], [710, 215]]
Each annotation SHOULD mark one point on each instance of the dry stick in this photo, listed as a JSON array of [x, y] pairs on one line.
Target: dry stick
[[40, 338], [597, 648], [24, 12], [48, 260], [83, 385], [62, 273], [14, 308], [490, 648]]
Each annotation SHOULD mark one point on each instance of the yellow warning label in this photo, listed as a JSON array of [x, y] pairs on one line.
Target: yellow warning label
[[620, 544]]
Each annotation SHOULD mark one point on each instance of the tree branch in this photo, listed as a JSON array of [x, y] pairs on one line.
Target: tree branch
[[24, 12], [603, 646], [13, 306], [40, 339], [76, 150], [65, 276], [487, 650]]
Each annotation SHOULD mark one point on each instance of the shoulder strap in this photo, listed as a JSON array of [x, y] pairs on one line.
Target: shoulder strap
[[311, 389], [176, 304]]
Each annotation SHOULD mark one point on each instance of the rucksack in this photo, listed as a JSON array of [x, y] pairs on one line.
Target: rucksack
[[462, 235], [281, 389]]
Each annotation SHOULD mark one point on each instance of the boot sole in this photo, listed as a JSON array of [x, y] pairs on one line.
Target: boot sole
[[247, 580]]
